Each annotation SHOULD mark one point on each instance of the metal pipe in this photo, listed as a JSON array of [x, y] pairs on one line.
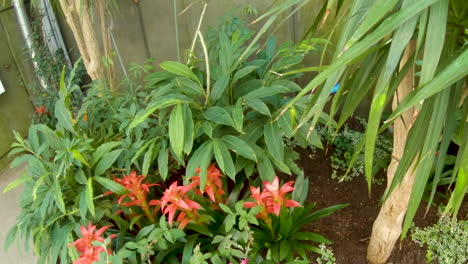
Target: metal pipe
[[25, 28], [50, 27]]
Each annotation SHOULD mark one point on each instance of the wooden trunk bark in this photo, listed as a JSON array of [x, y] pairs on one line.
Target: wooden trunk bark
[[388, 225], [80, 19]]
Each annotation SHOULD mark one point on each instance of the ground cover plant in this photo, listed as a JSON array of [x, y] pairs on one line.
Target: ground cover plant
[[446, 241], [179, 169]]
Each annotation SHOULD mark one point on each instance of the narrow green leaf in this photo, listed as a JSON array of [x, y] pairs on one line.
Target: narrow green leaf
[[238, 116], [258, 105], [63, 116], [201, 158], [189, 128], [274, 141], [243, 72], [219, 115], [223, 158], [17, 182], [189, 86], [163, 161], [188, 249], [106, 162], [219, 87], [239, 146], [104, 149], [77, 155], [58, 196], [89, 196], [178, 69], [111, 185], [177, 130], [159, 103], [147, 159]]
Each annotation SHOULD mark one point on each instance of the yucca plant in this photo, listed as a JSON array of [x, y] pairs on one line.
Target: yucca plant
[[428, 87]]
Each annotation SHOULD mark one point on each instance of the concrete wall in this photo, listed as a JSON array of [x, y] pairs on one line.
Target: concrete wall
[[147, 29], [16, 73]]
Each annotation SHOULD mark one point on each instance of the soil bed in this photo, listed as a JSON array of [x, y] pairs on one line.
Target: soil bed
[[350, 228]]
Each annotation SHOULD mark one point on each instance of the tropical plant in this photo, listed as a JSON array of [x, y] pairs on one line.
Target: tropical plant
[[74, 189], [227, 107], [370, 53]]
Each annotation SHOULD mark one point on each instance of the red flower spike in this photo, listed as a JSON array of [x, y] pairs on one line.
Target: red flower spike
[[41, 110], [214, 184], [137, 192], [84, 245], [175, 199], [272, 199]]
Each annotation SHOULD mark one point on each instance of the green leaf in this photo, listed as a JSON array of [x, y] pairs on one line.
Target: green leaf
[[225, 53], [201, 158], [238, 116], [188, 249], [268, 91], [219, 115], [274, 141], [219, 87], [239, 146], [258, 105], [89, 196], [10, 238], [177, 130], [189, 129], [309, 236], [147, 159], [189, 86], [111, 185], [157, 104], [17, 182], [104, 149], [243, 72], [178, 69], [63, 116], [83, 207], [223, 158], [58, 196], [106, 162], [285, 249], [265, 167], [77, 155], [163, 161]]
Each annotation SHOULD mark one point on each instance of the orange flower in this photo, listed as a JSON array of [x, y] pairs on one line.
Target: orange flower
[[214, 184], [84, 245], [272, 198], [175, 199], [41, 110], [137, 192], [275, 196]]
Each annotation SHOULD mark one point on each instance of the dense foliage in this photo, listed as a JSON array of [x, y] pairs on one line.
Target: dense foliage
[[139, 176]]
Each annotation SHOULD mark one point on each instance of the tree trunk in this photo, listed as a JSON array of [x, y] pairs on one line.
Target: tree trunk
[[80, 19], [388, 225]]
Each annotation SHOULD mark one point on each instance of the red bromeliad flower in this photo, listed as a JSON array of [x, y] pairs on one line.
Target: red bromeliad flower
[[41, 110], [272, 198], [175, 199], [137, 192], [84, 245], [276, 196], [259, 197], [214, 184]]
